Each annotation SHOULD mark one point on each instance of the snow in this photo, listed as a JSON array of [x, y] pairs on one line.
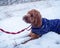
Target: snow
[[52, 11], [11, 20]]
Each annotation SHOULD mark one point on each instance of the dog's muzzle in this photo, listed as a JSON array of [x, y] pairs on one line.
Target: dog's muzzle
[[26, 19]]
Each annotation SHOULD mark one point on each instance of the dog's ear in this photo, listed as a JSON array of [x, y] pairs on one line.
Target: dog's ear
[[37, 18]]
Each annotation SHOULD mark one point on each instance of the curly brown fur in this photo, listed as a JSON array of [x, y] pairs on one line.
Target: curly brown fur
[[34, 18]]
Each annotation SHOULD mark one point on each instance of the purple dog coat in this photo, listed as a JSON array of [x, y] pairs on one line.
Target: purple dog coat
[[47, 26]]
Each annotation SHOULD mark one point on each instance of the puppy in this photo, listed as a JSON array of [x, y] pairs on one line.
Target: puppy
[[40, 25]]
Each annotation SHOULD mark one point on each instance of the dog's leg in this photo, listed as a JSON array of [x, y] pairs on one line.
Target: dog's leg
[[33, 36]]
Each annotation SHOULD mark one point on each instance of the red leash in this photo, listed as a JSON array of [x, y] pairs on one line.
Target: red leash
[[14, 32]]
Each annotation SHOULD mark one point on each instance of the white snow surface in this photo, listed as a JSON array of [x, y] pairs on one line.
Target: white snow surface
[[11, 20]]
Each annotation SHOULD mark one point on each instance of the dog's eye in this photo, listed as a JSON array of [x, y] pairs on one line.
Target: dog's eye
[[31, 15]]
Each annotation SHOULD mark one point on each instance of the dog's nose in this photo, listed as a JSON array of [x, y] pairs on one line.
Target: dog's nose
[[25, 18]]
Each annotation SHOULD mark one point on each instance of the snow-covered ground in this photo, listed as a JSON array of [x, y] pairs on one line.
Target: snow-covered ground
[[11, 20]]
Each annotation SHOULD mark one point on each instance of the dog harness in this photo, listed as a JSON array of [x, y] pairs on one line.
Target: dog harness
[[47, 26]]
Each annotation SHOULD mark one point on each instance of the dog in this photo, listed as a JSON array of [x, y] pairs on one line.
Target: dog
[[40, 26]]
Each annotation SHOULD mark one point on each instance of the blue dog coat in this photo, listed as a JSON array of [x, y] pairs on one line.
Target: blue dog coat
[[47, 25]]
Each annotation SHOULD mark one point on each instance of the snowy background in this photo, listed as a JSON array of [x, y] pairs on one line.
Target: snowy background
[[11, 2], [11, 20]]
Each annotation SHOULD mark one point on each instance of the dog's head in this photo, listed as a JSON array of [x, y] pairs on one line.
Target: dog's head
[[33, 17]]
